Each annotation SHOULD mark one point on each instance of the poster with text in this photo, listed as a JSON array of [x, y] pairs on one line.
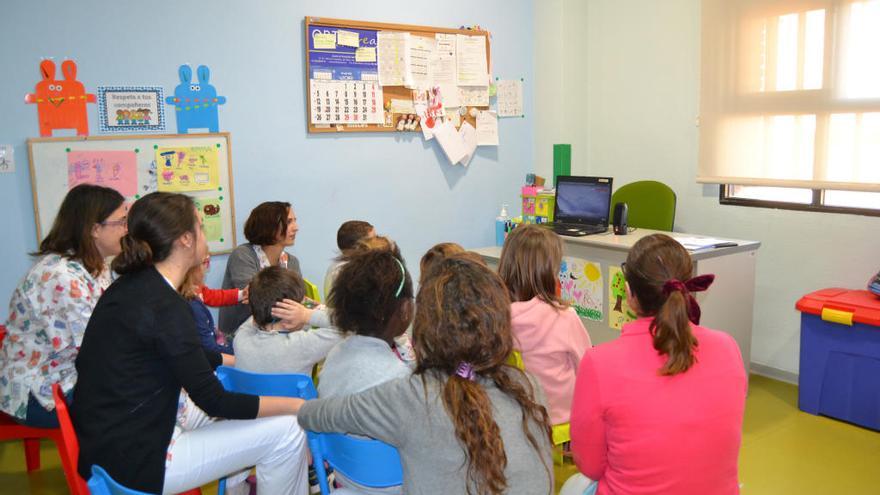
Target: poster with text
[[115, 169], [211, 210], [131, 108], [187, 168], [581, 285], [619, 312]]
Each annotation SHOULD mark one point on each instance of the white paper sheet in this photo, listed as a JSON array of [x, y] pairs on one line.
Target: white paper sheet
[[473, 96], [469, 138], [453, 116], [450, 142], [487, 128], [451, 97], [510, 98], [393, 57], [471, 66], [421, 55], [445, 60]]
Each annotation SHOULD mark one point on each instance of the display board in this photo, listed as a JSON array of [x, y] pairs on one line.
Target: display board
[[371, 76], [199, 165]]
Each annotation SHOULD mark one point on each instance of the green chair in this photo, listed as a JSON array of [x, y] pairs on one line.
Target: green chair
[[651, 204]]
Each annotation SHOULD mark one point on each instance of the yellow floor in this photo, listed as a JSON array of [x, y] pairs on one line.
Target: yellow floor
[[784, 451]]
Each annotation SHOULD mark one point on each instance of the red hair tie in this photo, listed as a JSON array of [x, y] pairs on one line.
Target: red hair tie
[[696, 284]]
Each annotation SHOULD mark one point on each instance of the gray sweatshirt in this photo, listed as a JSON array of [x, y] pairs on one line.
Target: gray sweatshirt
[[402, 414], [261, 351]]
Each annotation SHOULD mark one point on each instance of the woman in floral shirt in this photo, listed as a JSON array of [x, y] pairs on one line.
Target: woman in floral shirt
[[50, 308]]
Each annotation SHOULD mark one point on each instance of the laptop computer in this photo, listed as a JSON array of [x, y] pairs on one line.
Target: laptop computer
[[582, 205]]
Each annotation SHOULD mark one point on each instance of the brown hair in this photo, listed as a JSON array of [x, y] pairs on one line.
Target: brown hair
[[190, 289], [270, 285], [364, 295], [463, 316], [651, 262], [154, 222], [529, 265], [350, 233], [435, 255], [71, 235], [266, 223]]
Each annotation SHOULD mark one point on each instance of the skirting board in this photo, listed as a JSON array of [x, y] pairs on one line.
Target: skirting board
[[774, 373]]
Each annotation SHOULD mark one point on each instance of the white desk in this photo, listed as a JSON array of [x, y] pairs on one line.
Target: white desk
[[727, 305]]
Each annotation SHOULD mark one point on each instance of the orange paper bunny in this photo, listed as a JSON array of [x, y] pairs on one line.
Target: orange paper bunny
[[61, 104]]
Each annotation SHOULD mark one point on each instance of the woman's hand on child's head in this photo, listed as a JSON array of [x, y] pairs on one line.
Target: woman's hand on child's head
[[243, 295], [292, 314]]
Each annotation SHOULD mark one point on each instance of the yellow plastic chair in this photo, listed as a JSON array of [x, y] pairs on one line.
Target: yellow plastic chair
[[312, 291], [561, 432]]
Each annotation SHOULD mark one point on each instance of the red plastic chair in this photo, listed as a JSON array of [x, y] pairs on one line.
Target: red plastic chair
[[10, 430], [68, 448]]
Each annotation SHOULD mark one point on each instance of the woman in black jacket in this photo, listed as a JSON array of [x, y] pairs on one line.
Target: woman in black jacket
[[141, 347]]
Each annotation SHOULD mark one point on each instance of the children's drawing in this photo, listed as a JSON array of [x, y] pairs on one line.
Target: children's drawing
[[192, 168], [60, 104], [210, 209], [581, 285], [195, 104], [619, 312], [115, 169]]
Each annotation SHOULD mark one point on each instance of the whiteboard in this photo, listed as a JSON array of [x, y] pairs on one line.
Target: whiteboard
[[58, 163]]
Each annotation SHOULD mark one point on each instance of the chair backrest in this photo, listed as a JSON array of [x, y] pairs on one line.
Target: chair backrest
[[312, 291], [276, 385], [651, 204], [102, 484], [366, 462], [69, 447]]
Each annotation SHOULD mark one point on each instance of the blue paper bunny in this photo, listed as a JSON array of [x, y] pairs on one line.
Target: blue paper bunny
[[195, 104]]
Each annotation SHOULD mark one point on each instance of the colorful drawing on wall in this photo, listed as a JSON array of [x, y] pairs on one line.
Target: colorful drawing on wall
[[619, 312], [210, 209], [187, 168], [116, 169], [196, 104], [60, 104], [131, 108], [581, 283]]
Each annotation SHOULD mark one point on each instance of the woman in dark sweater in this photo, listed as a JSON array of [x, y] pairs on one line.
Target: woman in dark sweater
[[141, 348]]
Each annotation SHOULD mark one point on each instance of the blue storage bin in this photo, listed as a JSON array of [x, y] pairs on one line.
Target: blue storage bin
[[840, 355]]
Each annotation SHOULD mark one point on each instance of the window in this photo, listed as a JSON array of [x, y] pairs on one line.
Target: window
[[790, 103]]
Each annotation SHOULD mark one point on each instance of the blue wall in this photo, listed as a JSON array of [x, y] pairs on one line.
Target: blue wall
[[398, 182]]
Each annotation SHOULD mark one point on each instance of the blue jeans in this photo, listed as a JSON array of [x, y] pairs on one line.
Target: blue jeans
[[38, 416]]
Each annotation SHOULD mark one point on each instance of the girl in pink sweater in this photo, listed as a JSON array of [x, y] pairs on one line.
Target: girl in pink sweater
[[549, 334], [659, 410]]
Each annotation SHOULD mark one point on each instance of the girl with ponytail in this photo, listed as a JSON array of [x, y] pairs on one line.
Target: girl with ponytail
[[465, 421], [660, 409], [141, 350]]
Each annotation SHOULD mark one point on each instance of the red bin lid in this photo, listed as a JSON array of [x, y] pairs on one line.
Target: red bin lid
[[864, 305]]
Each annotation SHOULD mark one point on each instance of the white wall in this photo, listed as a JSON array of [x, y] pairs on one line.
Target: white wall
[[642, 61]]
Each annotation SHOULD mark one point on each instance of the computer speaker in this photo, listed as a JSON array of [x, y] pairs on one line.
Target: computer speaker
[[620, 214]]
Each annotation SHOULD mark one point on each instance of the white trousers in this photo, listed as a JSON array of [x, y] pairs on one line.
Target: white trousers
[[275, 445]]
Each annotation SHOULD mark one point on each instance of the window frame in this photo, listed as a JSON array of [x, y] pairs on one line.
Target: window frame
[[725, 198]]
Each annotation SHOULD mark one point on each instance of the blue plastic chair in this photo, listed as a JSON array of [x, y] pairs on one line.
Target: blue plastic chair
[[275, 385], [102, 484], [367, 462]]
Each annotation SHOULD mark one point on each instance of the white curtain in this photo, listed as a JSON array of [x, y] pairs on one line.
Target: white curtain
[[790, 93]]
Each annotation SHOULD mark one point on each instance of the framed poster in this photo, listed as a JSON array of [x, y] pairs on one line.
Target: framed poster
[[131, 108]]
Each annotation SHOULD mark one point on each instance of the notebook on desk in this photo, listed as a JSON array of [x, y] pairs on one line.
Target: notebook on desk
[[582, 205]]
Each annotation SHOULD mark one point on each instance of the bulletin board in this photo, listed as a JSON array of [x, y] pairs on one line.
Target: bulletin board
[[199, 165], [332, 68]]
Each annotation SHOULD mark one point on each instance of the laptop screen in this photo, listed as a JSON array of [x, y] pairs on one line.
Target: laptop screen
[[583, 200]]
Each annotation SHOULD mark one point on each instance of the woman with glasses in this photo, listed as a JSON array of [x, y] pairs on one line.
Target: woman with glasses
[[51, 306]]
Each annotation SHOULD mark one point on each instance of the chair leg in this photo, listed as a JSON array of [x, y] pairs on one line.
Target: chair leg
[[32, 454]]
